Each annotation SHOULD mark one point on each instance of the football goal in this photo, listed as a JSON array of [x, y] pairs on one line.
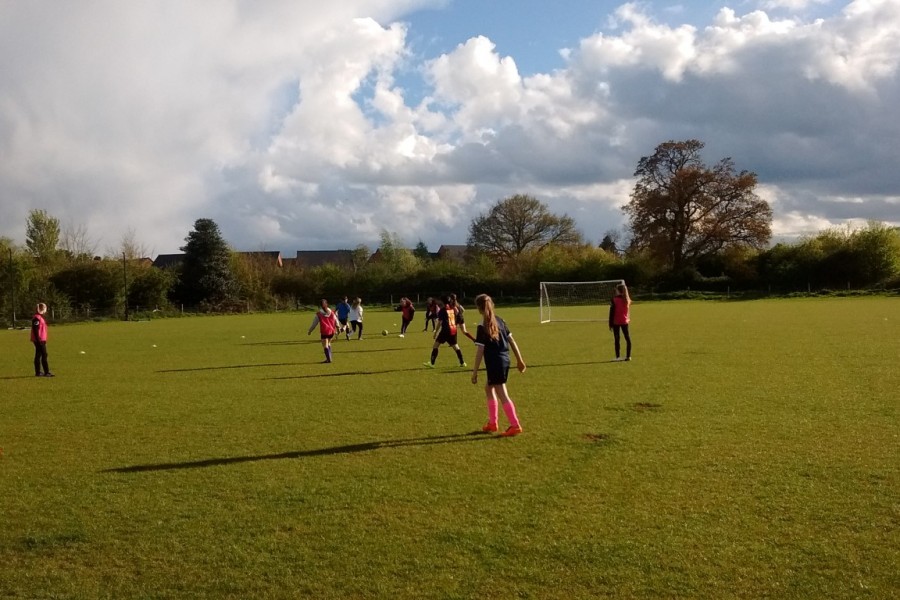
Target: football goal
[[576, 300]]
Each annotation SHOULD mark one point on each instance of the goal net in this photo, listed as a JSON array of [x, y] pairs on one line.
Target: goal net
[[576, 300]]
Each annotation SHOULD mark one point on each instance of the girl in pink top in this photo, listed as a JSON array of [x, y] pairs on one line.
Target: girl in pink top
[[327, 321], [39, 339], [619, 318]]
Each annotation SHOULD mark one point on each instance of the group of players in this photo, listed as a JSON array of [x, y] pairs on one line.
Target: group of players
[[493, 342]]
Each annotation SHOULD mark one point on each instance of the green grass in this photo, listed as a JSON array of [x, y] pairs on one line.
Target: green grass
[[751, 449]]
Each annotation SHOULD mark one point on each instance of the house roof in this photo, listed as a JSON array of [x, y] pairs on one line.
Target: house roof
[[317, 258], [453, 252], [264, 256], [165, 261]]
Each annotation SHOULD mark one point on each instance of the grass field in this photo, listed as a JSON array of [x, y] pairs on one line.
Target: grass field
[[751, 450]]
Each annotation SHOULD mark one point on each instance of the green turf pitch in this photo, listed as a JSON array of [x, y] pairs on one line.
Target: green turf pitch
[[751, 450]]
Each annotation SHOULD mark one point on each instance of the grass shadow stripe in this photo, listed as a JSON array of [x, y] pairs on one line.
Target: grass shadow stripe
[[342, 374], [225, 367], [472, 436]]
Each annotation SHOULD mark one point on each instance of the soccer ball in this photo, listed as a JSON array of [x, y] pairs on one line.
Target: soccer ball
[[384, 332]]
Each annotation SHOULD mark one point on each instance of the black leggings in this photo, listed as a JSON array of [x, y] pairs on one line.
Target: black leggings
[[624, 330], [357, 325], [40, 358]]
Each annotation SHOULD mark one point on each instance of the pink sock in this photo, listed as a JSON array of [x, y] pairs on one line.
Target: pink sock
[[492, 410], [510, 409]]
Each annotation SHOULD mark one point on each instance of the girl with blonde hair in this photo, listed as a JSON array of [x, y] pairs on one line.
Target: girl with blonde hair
[[493, 342], [619, 318]]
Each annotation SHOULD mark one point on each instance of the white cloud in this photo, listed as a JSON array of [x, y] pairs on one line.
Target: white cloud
[[792, 5], [288, 124]]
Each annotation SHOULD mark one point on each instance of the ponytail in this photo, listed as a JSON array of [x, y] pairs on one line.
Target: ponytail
[[486, 307], [622, 289]]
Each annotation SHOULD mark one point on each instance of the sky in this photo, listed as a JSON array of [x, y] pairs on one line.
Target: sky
[[302, 125]]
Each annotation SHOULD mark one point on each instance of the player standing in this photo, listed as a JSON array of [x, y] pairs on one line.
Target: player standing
[[619, 318], [39, 339], [493, 342]]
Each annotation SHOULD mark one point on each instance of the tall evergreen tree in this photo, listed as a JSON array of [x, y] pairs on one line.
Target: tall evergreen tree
[[206, 274]]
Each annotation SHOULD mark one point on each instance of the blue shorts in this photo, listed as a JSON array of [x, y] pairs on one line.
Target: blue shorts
[[497, 374]]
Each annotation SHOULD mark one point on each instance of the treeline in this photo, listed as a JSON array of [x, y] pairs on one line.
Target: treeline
[[84, 286]]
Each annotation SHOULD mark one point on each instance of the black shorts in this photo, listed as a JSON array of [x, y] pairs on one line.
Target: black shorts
[[327, 336], [445, 337], [497, 374]]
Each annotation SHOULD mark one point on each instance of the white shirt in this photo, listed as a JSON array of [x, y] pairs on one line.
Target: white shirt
[[356, 313]]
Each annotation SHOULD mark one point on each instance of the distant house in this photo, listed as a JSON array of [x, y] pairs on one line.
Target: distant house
[[376, 257], [264, 257], [454, 253], [168, 261], [309, 259]]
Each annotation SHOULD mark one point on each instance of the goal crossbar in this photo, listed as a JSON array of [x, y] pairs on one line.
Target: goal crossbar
[[576, 300]]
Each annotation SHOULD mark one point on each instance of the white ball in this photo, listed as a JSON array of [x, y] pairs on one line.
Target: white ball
[[82, 352], [384, 332]]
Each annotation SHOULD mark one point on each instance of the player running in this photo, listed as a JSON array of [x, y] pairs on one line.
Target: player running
[[343, 312], [327, 321], [408, 311], [449, 319]]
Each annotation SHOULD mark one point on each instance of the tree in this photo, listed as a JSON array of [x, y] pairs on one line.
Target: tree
[[130, 247], [518, 224], [877, 247], [93, 285], [421, 252], [681, 210], [611, 241], [76, 243], [206, 275], [42, 239], [394, 257], [360, 257], [149, 289]]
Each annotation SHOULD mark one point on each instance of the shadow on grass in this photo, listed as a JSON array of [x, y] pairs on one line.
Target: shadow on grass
[[283, 343], [317, 341], [192, 369], [344, 374], [568, 364], [446, 370], [473, 436], [6, 377]]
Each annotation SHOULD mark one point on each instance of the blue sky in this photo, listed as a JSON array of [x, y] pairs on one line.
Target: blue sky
[[533, 31], [301, 125]]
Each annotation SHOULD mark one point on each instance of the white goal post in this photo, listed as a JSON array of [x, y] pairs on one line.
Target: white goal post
[[577, 300]]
